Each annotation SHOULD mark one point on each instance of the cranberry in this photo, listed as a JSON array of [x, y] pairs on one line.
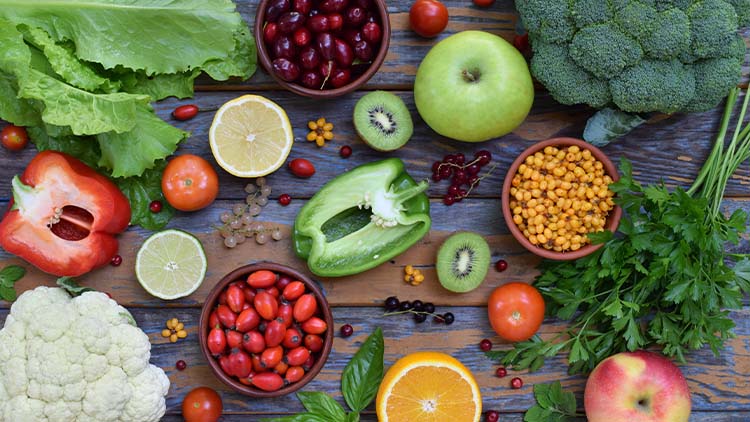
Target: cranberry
[[340, 77], [331, 6], [345, 151], [276, 8], [459, 177], [346, 330], [462, 193], [283, 47], [335, 21], [449, 199], [302, 6], [516, 383], [371, 32], [302, 37], [472, 169], [318, 23], [450, 159], [309, 58], [285, 199], [445, 172], [285, 69], [491, 416], [484, 157], [270, 32], [326, 47], [180, 365], [460, 159], [355, 16], [453, 190], [290, 22], [343, 53], [501, 372], [501, 265], [363, 51], [155, 206], [436, 177], [485, 345], [116, 261], [436, 166], [312, 80]]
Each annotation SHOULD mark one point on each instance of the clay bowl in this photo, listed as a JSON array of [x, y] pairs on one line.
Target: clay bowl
[[612, 221], [358, 78], [324, 313]]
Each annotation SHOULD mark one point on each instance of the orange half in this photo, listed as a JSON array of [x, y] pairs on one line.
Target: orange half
[[428, 387]]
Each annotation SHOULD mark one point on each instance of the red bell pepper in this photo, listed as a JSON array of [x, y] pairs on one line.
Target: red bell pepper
[[63, 216]]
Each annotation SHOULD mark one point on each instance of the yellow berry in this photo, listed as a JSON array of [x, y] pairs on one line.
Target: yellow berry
[[312, 125], [321, 122], [419, 278], [181, 333], [328, 127], [311, 136], [179, 327], [166, 333], [409, 269], [173, 338], [328, 135], [320, 142]]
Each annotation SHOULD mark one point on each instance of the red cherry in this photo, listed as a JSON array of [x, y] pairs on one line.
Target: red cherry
[[492, 416], [501, 372], [180, 365], [270, 32], [155, 206], [345, 151], [116, 261], [516, 383], [501, 265], [485, 345]]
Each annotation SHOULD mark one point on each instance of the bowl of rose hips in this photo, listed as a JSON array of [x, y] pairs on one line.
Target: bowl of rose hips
[[322, 48], [266, 330], [556, 194]]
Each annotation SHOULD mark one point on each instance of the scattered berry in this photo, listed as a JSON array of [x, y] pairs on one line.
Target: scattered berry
[[404, 306], [501, 265], [461, 173], [116, 261], [413, 276], [285, 200], [417, 305], [175, 330], [501, 372], [239, 224], [155, 206], [428, 307], [448, 318], [485, 345], [320, 131], [392, 303], [185, 112], [491, 416], [180, 365], [345, 151], [346, 330], [516, 383]]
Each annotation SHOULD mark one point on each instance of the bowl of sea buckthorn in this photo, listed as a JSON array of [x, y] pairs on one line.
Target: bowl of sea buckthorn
[[557, 193]]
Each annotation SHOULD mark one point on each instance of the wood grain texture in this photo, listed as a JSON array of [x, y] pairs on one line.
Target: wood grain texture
[[721, 383]]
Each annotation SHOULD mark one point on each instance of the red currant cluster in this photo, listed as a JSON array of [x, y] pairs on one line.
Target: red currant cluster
[[460, 173]]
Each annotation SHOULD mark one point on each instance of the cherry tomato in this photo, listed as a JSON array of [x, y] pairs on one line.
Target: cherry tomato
[[314, 325], [189, 183], [294, 374], [253, 342], [305, 307], [216, 341], [483, 3], [274, 333], [266, 305], [301, 168], [247, 320], [202, 404], [268, 381], [297, 356], [428, 17], [14, 138], [516, 311], [262, 279], [292, 339], [235, 299], [271, 356], [293, 290], [185, 112]]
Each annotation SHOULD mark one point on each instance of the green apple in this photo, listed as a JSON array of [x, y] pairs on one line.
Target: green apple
[[473, 86]]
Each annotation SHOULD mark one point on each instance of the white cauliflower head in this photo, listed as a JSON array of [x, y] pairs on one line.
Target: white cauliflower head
[[66, 359]]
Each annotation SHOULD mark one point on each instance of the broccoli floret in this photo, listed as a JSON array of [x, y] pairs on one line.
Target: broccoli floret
[[653, 85], [569, 83], [637, 19], [588, 12], [714, 24], [548, 19], [713, 79], [743, 11], [662, 5], [671, 37], [604, 50]]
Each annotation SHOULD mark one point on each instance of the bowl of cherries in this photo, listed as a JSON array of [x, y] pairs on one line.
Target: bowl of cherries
[[322, 48]]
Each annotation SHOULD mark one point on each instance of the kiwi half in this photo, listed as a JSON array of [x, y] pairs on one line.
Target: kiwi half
[[463, 261], [383, 121]]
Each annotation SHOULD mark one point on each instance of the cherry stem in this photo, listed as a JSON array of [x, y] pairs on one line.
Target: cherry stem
[[410, 311], [480, 179]]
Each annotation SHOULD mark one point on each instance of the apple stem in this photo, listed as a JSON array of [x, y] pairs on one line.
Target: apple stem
[[471, 75]]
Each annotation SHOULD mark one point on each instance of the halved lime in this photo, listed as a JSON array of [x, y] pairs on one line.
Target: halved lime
[[171, 264]]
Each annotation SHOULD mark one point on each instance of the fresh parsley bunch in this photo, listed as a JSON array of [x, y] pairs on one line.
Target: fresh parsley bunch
[[665, 279]]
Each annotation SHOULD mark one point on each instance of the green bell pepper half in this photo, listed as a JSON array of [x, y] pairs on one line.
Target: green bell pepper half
[[361, 219]]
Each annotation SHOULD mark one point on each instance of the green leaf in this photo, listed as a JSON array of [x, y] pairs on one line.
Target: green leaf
[[364, 372], [241, 59], [158, 87], [300, 417], [69, 284], [322, 404], [19, 111], [84, 148], [10, 274], [7, 293], [140, 191], [609, 124], [352, 417]]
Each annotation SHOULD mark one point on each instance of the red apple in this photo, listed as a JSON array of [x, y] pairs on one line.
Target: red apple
[[637, 387]]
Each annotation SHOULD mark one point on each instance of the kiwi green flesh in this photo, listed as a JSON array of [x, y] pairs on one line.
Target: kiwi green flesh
[[463, 261], [383, 121]]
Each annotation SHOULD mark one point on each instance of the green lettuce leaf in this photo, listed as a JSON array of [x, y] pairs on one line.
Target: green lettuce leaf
[[157, 36], [85, 148], [19, 111], [241, 59], [158, 87]]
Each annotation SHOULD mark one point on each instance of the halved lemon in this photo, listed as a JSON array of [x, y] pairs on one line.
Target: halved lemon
[[250, 136], [428, 387], [171, 264]]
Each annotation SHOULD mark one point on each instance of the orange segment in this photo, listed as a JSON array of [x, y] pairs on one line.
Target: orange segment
[[250, 136], [428, 387]]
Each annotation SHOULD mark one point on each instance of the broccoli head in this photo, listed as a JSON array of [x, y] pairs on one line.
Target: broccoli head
[[637, 55]]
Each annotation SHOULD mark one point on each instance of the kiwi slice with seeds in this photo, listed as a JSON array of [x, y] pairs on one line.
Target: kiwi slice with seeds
[[383, 121], [463, 261]]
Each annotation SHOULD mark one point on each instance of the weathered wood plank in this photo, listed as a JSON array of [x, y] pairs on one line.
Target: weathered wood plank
[[717, 384], [367, 288]]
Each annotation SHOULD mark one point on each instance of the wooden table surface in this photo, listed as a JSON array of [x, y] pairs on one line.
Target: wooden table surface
[[672, 150]]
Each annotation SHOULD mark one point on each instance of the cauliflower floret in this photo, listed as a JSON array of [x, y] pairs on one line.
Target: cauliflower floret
[[76, 360]]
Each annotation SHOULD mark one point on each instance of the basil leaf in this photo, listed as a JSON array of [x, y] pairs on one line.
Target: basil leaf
[[7, 293], [608, 124], [352, 417], [72, 287], [322, 404], [10, 274], [300, 417], [141, 191], [362, 376]]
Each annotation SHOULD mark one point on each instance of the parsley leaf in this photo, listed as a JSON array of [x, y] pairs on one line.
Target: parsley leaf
[[553, 404], [8, 278]]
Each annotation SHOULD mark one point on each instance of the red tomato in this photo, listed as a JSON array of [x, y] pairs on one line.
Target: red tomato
[[428, 17], [483, 3], [234, 339], [240, 363], [292, 338], [14, 138], [285, 314], [301, 168], [189, 183], [314, 343], [294, 374], [201, 405], [516, 311], [227, 318]]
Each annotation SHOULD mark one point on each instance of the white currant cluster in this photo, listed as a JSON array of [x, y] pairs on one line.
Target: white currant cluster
[[240, 224]]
